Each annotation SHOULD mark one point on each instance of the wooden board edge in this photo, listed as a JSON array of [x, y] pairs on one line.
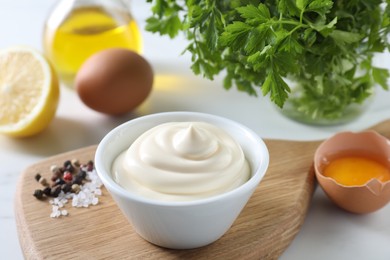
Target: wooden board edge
[[24, 235]]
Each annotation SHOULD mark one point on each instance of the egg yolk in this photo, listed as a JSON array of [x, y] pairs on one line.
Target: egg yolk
[[355, 170]]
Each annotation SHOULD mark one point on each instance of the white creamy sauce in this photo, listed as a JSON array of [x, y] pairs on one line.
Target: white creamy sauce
[[181, 161]]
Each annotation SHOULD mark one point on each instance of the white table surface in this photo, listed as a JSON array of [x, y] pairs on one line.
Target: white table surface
[[327, 233]]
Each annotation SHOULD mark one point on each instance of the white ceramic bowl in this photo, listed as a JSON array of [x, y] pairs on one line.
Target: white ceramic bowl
[[179, 224]]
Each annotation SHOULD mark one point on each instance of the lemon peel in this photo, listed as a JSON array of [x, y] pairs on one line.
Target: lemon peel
[[29, 92]]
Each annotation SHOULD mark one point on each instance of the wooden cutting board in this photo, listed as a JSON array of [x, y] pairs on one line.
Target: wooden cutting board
[[264, 229]]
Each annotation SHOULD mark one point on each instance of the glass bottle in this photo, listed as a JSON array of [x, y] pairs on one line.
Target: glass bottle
[[76, 29]]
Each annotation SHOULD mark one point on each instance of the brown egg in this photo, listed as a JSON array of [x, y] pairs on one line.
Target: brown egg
[[114, 81], [356, 198]]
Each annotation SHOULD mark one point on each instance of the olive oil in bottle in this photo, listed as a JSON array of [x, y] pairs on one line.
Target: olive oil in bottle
[[70, 38]]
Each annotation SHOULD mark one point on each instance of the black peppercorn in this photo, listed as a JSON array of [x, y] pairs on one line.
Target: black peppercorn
[[67, 187], [67, 162], [82, 174], [37, 177], [59, 181], [78, 180], [47, 191], [69, 168], [55, 191], [38, 194]]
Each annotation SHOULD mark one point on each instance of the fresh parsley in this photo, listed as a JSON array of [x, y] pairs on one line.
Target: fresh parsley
[[324, 46]]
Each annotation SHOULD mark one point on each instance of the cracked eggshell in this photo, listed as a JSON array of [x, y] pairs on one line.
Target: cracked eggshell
[[356, 199]]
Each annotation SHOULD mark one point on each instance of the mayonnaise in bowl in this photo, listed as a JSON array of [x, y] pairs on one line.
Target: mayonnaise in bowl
[[182, 161], [183, 184]]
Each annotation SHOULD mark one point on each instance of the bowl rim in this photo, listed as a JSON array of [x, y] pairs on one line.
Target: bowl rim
[[112, 186]]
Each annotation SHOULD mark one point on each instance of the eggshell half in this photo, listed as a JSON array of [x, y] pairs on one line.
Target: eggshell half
[[356, 199]]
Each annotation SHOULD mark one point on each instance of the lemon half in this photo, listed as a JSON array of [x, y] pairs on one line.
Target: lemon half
[[29, 92]]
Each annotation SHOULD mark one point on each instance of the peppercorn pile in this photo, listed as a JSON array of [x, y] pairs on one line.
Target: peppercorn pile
[[75, 181]]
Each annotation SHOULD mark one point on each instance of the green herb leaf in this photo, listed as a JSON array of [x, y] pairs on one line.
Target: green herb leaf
[[322, 7], [235, 35], [380, 76], [277, 88], [288, 8], [211, 35], [343, 37], [170, 26], [324, 29], [301, 4], [291, 45], [309, 37], [257, 38], [255, 15]]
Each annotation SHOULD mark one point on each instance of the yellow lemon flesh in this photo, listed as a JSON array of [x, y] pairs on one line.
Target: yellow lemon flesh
[[29, 92]]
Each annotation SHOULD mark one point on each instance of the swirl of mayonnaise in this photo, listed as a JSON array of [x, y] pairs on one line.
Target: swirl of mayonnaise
[[182, 161]]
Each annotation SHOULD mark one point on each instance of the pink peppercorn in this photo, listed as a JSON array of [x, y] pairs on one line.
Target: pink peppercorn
[[90, 166], [68, 176]]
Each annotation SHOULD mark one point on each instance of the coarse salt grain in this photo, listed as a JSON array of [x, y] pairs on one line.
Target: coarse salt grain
[[87, 196], [95, 201]]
